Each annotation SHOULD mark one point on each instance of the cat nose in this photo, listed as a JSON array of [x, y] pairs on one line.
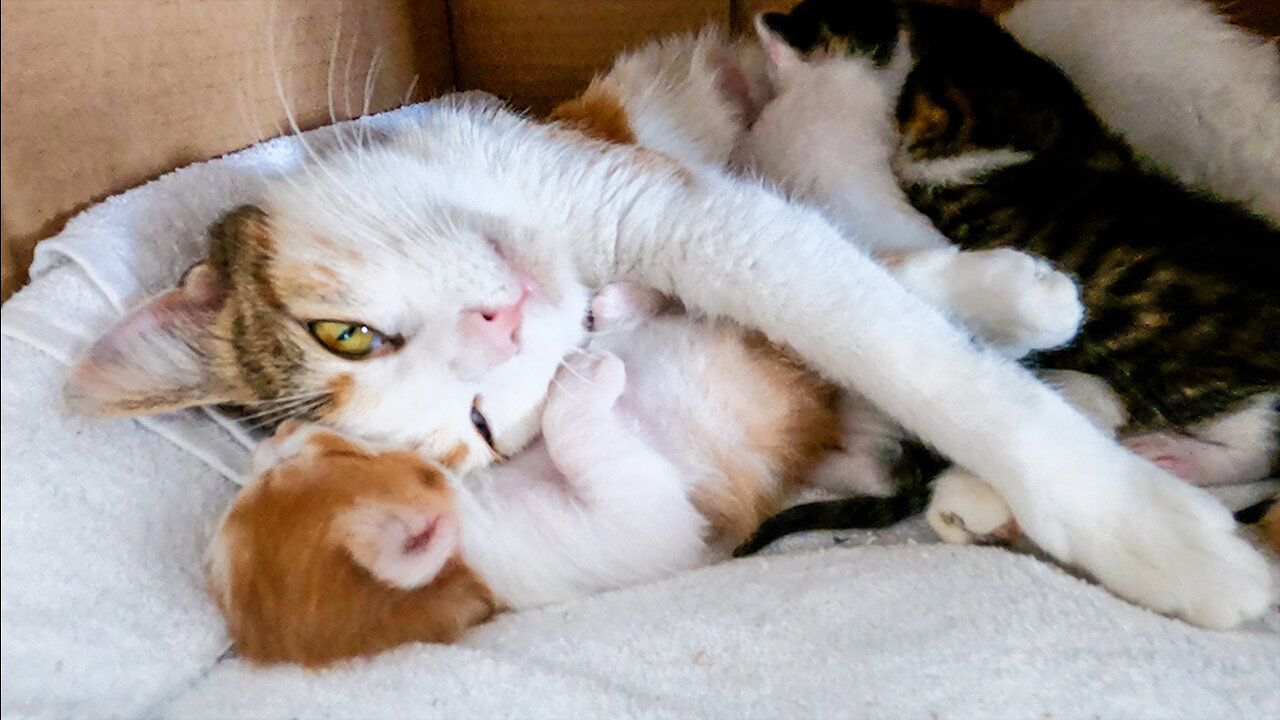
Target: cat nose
[[498, 328]]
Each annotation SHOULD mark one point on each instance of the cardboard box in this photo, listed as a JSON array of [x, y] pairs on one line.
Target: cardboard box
[[97, 96]]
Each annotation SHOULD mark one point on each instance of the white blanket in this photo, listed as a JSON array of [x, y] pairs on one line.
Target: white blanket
[[104, 614]]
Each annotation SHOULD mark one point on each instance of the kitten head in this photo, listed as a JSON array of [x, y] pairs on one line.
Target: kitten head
[[335, 551], [373, 292], [816, 28], [957, 82], [836, 70]]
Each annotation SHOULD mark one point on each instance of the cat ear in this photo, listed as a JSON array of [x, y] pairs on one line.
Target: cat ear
[[402, 545], [771, 30], [164, 355]]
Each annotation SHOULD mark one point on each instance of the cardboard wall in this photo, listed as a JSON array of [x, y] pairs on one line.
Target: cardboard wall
[[97, 96], [100, 95]]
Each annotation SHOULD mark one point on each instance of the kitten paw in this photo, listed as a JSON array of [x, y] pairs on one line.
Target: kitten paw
[[1163, 544], [586, 388], [620, 305], [964, 510], [1014, 300]]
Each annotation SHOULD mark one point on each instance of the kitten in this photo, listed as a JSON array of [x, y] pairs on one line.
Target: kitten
[[662, 447], [422, 292], [999, 150]]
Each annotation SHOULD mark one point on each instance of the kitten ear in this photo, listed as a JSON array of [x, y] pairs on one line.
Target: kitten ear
[[402, 545], [771, 29], [162, 356]]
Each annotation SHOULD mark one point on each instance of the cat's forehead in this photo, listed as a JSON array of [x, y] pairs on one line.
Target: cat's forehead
[[381, 231]]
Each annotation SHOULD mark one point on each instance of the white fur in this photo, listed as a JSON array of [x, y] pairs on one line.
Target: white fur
[[728, 247], [676, 99], [1061, 475], [818, 145], [1199, 97], [1013, 301], [959, 170], [453, 213]]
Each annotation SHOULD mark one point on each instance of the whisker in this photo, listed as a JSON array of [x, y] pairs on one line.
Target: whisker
[[370, 82], [280, 416], [333, 64], [413, 84]]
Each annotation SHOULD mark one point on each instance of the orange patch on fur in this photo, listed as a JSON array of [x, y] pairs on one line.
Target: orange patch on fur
[[288, 585], [1270, 525], [789, 423], [341, 388], [454, 457], [927, 120], [597, 113]]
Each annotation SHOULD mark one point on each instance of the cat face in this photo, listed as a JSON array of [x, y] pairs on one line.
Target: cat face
[[331, 540], [371, 292]]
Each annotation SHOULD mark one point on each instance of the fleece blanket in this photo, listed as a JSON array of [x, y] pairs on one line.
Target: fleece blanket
[[104, 612]]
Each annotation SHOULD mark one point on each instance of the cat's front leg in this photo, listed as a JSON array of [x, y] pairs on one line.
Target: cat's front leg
[[1010, 299], [732, 249]]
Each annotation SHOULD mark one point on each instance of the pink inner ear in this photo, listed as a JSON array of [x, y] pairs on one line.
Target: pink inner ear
[[419, 542], [779, 52], [404, 546], [737, 89], [157, 356]]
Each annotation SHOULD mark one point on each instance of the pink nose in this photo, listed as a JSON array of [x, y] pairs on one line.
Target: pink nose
[[497, 329]]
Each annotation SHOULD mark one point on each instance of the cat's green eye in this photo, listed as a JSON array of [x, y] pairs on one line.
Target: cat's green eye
[[351, 340]]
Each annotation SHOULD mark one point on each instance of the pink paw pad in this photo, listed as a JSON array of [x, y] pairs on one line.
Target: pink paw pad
[[1175, 456]]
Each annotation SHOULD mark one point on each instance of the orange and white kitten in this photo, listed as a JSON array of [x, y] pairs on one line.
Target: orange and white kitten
[[663, 446], [297, 566]]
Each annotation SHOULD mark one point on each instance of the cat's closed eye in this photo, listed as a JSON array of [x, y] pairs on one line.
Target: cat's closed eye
[[352, 340]]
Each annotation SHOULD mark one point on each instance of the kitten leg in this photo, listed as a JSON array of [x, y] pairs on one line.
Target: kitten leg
[[578, 424], [867, 444], [965, 510], [1228, 450], [1008, 298]]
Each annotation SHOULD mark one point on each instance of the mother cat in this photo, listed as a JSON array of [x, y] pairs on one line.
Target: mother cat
[[448, 270]]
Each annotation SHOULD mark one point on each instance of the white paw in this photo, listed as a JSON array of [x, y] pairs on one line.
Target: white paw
[[1014, 300], [965, 510], [586, 387], [1163, 544], [619, 305]]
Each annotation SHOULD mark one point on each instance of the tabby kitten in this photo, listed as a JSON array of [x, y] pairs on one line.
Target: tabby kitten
[[999, 150]]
